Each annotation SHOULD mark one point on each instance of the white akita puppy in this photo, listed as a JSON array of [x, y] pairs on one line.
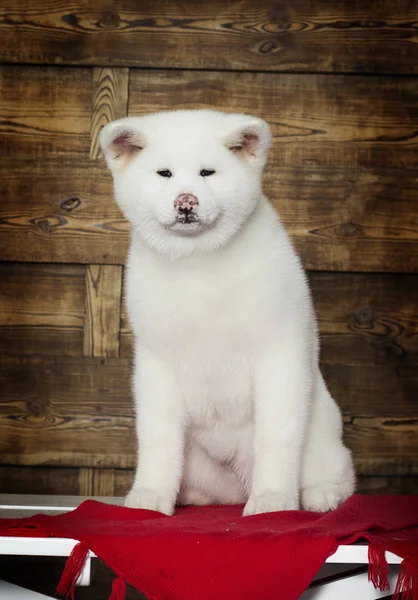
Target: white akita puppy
[[230, 403]]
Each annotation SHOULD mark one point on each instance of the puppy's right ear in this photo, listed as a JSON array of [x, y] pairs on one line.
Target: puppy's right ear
[[249, 139], [120, 141]]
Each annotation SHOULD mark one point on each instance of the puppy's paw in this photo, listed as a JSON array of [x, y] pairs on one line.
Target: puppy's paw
[[270, 502], [325, 496], [144, 498]]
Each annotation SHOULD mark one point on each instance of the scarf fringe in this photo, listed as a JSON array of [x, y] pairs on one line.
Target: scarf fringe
[[378, 565], [72, 571], [407, 584], [118, 589]]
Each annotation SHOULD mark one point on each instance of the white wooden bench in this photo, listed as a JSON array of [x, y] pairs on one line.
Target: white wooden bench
[[343, 577]]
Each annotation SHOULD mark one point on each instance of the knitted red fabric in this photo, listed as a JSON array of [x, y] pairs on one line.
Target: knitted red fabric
[[202, 553]]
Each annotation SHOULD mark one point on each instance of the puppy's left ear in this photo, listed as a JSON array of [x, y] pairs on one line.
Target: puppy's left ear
[[250, 141]]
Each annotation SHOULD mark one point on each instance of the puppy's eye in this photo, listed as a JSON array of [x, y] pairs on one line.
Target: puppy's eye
[[206, 172], [165, 173]]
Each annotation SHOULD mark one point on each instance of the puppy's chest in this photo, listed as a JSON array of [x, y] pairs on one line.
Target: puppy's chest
[[203, 315], [207, 332], [216, 386]]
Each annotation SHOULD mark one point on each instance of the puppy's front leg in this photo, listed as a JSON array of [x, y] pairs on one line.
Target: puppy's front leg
[[160, 432], [282, 391]]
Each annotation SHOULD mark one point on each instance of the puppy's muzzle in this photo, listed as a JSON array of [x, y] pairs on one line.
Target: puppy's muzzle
[[186, 205]]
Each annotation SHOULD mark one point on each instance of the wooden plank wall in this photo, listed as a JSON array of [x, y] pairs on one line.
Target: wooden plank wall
[[338, 83]]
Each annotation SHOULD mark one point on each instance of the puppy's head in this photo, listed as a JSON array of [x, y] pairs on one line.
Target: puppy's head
[[187, 180]]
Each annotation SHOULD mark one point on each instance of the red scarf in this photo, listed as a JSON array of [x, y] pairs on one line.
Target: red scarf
[[209, 552]]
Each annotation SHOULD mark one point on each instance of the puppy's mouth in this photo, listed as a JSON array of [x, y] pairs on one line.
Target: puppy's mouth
[[187, 219], [189, 224]]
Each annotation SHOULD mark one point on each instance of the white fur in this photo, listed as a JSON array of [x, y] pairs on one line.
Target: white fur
[[230, 403]]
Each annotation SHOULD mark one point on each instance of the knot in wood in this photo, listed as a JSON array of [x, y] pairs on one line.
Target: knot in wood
[[351, 230], [110, 19], [48, 224], [365, 316], [70, 19], [35, 407], [267, 46], [44, 226], [70, 204]]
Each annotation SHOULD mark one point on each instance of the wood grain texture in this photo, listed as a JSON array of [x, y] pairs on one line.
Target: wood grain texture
[[358, 390], [304, 35], [60, 211], [77, 412], [337, 121], [39, 480], [368, 326], [341, 172], [73, 482], [110, 102], [41, 309], [382, 439], [340, 219], [387, 485], [104, 289], [124, 479], [45, 112], [96, 482], [66, 213], [367, 319], [360, 219], [64, 411]]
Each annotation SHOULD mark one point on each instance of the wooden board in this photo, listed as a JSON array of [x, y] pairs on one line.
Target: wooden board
[[60, 211], [104, 289], [64, 411], [39, 480], [336, 121], [65, 212], [45, 112], [96, 482], [78, 412], [303, 35], [341, 171], [124, 479], [382, 439], [57, 481], [387, 391], [387, 485], [110, 102], [360, 219], [42, 309], [73, 481], [367, 319]]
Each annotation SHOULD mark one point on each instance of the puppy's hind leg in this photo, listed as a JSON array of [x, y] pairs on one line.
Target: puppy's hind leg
[[327, 468]]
